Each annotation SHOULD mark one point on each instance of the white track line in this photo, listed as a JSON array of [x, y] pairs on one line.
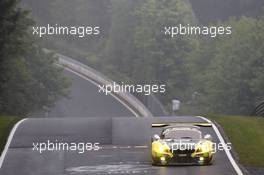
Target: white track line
[[95, 83], [143, 146], [221, 139], [10, 137], [123, 147]]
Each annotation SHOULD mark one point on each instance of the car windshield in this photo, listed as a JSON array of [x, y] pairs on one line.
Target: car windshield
[[181, 133]]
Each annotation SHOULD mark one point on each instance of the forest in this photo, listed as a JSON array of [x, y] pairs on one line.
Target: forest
[[222, 75]]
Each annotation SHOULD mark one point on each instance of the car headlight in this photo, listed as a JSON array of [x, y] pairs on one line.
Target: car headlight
[[199, 149], [162, 149], [203, 147]]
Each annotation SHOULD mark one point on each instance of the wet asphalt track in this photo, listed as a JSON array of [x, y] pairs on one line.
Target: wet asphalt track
[[124, 149], [85, 101]]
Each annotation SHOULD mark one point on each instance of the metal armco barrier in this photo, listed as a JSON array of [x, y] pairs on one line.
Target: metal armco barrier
[[96, 76], [259, 110]]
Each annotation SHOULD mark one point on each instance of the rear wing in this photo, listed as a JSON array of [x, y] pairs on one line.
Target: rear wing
[[157, 125]]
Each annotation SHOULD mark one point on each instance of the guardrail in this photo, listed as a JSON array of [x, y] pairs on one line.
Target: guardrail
[[101, 79], [259, 110]]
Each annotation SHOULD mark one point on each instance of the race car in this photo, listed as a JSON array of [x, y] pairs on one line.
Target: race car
[[177, 145]]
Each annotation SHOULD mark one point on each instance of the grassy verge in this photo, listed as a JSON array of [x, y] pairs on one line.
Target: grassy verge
[[246, 135], [6, 124]]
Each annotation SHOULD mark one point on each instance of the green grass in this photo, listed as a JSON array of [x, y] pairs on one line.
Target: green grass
[[6, 124], [247, 137]]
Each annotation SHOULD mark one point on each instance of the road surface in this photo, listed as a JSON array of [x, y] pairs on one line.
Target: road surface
[[124, 148], [85, 101]]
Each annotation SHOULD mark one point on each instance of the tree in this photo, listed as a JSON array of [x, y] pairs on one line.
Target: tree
[[162, 59], [120, 48], [211, 11], [29, 79], [233, 80]]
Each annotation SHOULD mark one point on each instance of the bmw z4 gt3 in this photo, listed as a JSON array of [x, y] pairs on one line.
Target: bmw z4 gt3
[[182, 145]]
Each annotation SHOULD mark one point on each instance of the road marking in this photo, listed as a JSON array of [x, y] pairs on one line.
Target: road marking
[[95, 83], [10, 137], [123, 147], [144, 146], [229, 155]]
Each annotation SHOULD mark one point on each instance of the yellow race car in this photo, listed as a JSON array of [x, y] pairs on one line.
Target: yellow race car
[[182, 145]]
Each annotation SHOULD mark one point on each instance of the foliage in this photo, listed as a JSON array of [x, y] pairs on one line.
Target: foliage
[[28, 78], [6, 124], [142, 48], [211, 11], [216, 75], [232, 82]]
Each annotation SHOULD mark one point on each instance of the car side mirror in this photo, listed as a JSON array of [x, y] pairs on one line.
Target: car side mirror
[[155, 137], [208, 137]]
